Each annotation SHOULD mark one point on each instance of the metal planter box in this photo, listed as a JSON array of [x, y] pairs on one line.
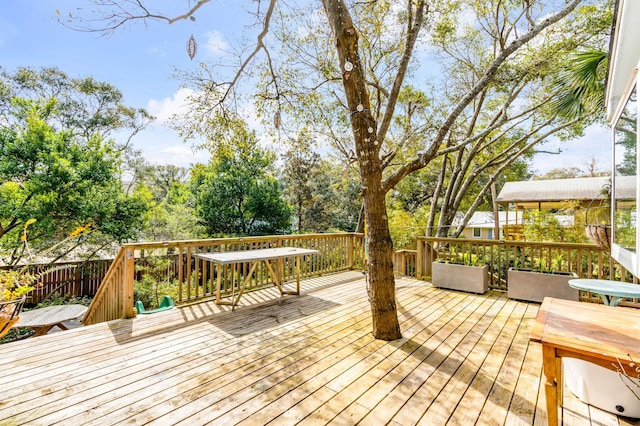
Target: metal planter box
[[534, 286], [473, 279]]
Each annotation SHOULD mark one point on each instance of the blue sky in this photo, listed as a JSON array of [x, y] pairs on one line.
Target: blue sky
[[140, 61]]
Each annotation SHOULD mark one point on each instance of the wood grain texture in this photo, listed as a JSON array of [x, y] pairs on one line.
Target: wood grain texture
[[309, 359]]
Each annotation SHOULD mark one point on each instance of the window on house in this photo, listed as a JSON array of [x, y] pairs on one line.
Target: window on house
[[626, 163], [477, 232], [490, 234]]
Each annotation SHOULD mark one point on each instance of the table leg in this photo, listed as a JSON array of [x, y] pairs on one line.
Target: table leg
[[559, 381], [549, 366], [298, 274], [41, 331], [605, 299], [219, 301], [244, 283], [234, 270], [218, 283], [274, 276], [280, 270]]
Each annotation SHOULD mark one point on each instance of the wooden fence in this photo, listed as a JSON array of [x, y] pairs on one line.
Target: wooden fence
[[80, 278], [195, 279]]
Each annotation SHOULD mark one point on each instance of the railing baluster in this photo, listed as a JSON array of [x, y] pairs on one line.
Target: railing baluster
[[584, 259]]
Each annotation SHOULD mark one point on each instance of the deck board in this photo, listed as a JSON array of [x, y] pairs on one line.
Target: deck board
[[463, 359], [522, 409], [502, 388], [371, 370], [317, 380], [388, 396]]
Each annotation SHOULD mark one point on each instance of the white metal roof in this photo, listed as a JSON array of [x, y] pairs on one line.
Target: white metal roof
[[582, 189], [484, 219]]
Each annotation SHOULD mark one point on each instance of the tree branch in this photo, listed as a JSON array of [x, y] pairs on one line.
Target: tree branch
[[425, 156], [413, 30]]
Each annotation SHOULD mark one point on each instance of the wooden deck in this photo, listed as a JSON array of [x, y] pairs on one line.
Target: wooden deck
[[464, 359]]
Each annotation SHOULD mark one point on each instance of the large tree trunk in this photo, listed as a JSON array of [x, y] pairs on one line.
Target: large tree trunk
[[381, 284]]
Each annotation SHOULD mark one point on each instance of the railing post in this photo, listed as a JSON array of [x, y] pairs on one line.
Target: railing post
[[419, 258], [280, 263], [350, 249], [400, 262], [126, 294]]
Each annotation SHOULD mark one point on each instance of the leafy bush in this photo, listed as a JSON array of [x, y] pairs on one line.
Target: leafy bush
[[155, 281], [56, 299]]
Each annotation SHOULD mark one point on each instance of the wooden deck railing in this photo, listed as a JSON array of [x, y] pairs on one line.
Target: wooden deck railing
[[404, 262], [195, 278], [338, 252], [586, 260], [114, 298]]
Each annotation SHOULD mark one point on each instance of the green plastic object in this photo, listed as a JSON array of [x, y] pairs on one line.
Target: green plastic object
[[166, 304]]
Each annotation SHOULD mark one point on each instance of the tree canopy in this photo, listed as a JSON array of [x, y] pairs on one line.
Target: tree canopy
[[56, 165], [237, 193]]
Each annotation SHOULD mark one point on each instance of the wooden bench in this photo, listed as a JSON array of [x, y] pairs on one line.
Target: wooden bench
[[44, 319]]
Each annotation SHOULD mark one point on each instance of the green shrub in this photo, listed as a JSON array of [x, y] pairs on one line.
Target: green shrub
[[155, 281]]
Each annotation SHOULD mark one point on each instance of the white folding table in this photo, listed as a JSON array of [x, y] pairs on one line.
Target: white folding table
[[254, 257]]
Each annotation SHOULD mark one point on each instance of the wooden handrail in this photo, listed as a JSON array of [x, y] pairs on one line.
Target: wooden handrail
[[338, 252], [195, 278], [586, 260], [404, 262], [106, 305]]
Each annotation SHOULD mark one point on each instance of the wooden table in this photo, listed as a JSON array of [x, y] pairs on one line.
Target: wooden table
[[44, 319], [611, 292], [254, 257], [604, 335]]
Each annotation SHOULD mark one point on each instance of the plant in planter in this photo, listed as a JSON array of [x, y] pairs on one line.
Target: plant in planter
[[14, 285], [463, 274], [533, 285], [597, 227]]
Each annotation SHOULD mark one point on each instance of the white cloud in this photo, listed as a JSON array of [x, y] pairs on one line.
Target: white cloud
[[157, 51], [216, 42], [180, 155], [166, 148], [596, 143], [178, 150], [168, 107]]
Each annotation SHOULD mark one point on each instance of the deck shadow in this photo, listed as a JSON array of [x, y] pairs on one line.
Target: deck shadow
[[242, 321], [271, 314]]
